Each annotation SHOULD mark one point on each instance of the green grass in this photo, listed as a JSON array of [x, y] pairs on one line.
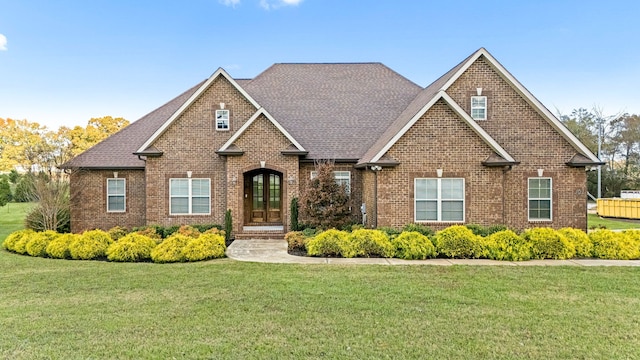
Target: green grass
[[226, 309], [611, 223], [12, 218]]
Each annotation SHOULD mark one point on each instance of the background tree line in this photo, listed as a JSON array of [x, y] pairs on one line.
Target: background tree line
[[620, 147], [30, 155]]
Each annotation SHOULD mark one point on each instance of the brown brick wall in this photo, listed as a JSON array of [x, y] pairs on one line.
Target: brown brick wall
[[189, 144], [89, 200]]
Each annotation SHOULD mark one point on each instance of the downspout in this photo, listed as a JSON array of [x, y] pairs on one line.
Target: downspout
[[504, 185], [375, 169]]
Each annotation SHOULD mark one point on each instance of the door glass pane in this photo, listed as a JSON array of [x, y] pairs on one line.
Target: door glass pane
[[258, 192], [274, 191]]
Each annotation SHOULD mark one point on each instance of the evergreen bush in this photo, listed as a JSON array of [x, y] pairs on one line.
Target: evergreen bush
[[17, 240], [580, 241], [368, 243], [170, 250], [90, 245], [37, 245], [331, 243], [612, 245], [117, 232], [296, 241], [58, 248], [131, 248], [459, 242], [422, 229], [546, 243], [507, 245], [412, 245], [205, 247]]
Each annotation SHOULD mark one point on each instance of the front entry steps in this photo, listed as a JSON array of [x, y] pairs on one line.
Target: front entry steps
[[272, 232]]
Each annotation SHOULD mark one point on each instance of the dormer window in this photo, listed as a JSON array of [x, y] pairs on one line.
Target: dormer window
[[222, 120], [479, 107]]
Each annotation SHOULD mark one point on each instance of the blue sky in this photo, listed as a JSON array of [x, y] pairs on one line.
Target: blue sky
[[63, 62]]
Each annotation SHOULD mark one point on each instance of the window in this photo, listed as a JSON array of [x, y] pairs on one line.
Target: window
[[116, 195], [222, 119], [341, 178], [439, 200], [479, 107], [540, 199], [189, 196]]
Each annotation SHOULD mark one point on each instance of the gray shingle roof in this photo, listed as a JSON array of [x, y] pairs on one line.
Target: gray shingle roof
[[117, 150], [335, 111]]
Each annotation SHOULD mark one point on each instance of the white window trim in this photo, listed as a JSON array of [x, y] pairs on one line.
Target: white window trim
[[228, 119], [479, 107], [337, 175], [124, 194], [550, 198], [189, 197], [439, 201]]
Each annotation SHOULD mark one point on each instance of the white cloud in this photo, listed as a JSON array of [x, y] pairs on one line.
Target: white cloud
[[3, 42], [231, 3], [274, 4]]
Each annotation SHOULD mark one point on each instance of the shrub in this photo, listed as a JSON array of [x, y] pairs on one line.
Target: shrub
[[58, 248], [37, 245], [580, 241], [17, 240], [131, 248], [390, 231], [331, 243], [422, 229], [38, 219], [324, 202], [507, 245], [311, 232], [485, 230], [293, 214], [188, 230], [216, 231], [167, 231], [206, 227], [296, 241], [615, 245], [117, 232], [170, 250], [228, 226], [149, 231], [412, 245], [459, 242], [91, 245], [367, 243], [206, 246], [547, 243]]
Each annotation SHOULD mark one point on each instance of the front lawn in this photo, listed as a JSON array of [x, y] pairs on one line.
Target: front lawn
[[612, 223], [225, 309], [12, 218]]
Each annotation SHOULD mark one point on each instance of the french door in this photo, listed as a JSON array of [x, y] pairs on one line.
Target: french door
[[263, 197]]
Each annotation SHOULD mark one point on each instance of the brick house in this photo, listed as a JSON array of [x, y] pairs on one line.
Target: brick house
[[475, 146]]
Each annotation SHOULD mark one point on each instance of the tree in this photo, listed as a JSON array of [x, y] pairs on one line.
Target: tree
[[626, 140], [324, 203], [5, 191], [25, 145]]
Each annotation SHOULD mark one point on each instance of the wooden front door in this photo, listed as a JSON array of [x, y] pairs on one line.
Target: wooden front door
[[263, 197]]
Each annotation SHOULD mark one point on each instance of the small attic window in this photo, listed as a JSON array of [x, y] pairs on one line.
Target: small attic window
[[222, 120], [479, 107]]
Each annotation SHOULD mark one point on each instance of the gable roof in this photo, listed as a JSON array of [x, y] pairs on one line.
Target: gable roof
[[253, 118], [336, 111], [117, 151], [423, 102], [204, 86], [528, 97]]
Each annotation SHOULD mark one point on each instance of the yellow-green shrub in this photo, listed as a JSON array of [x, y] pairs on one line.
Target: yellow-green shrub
[[215, 231], [296, 241], [459, 242], [90, 245], [507, 245], [615, 245], [580, 240], [131, 248], [547, 243], [37, 245], [58, 248], [412, 245], [206, 246], [150, 232], [18, 240], [117, 232], [331, 243], [170, 250], [367, 243]]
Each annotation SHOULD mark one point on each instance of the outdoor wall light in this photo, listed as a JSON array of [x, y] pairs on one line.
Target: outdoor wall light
[[376, 168]]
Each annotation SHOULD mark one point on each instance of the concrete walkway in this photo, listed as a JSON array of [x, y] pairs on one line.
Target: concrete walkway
[[275, 251]]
